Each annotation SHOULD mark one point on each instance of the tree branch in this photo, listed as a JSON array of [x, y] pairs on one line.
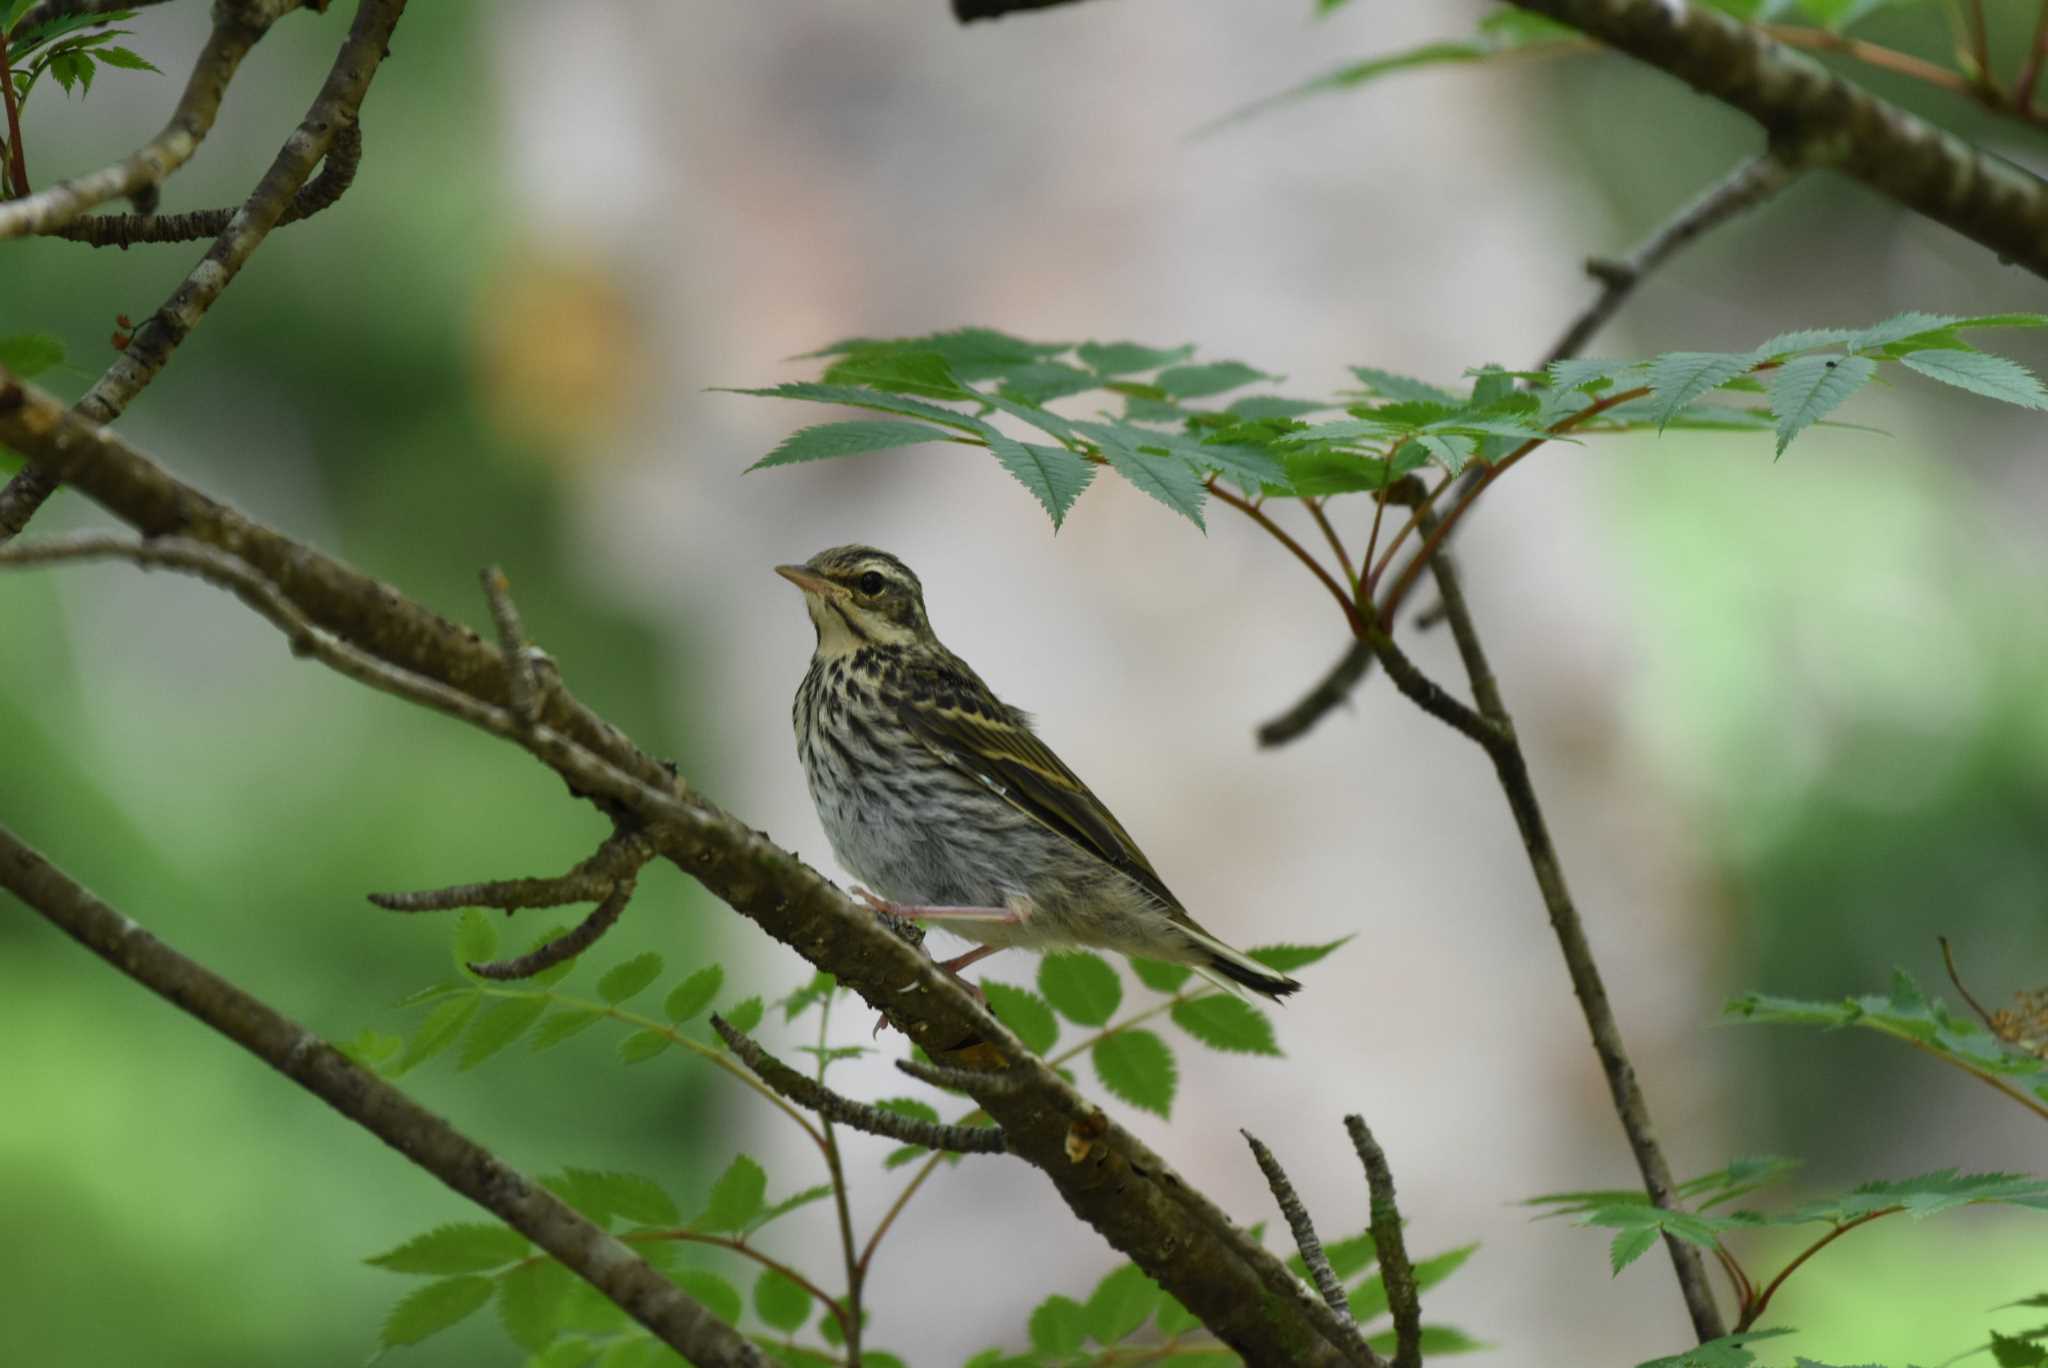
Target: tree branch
[[340, 97], [1814, 117], [862, 1116], [422, 1137], [1312, 1256], [1107, 1176], [1397, 1275], [1748, 186], [337, 174], [974, 1082]]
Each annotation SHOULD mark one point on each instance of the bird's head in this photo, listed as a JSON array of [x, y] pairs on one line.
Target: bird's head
[[859, 596]]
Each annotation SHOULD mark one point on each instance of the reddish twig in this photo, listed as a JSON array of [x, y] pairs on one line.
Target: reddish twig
[[1280, 534], [17, 166], [1751, 1311], [2030, 71]]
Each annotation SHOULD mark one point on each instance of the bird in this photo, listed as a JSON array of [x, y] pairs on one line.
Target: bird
[[943, 800]]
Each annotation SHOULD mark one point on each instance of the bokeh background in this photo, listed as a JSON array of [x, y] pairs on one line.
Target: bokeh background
[[1788, 716]]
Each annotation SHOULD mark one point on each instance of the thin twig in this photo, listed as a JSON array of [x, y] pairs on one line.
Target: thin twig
[[1312, 1255], [862, 1116], [1397, 1275], [1749, 185], [2030, 70], [337, 173], [1762, 1301], [973, 1082], [1332, 690], [422, 1137], [745, 1251], [566, 946], [1322, 520], [1431, 696], [17, 161], [149, 350], [1281, 535], [1948, 958], [522, 683]]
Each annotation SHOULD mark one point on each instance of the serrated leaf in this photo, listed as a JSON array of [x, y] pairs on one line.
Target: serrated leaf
[[1054, 475], [743, 1016], [1900, 327], [1327, 471], [694, 993], [476, 938], [1808, 388], [1404, 388], [631, 1195], [1028, 1015], [791, 1203], [856, 396], [1170, 481], [30, 354], [780, 1302], [125, 58], [438, 1031], [1729, 1351], [720, 1297], [1136, 1066], [529, 1300], [641, 1046], [1274, 406], [373, 1048], [1080, 986], [624, 980], [1994, 377], [851, 438], [1213, 377], [561, 1026], [1120, 1303], [2009, 1351], [435, 1307], [819, 989], [1059, 1325], [1784, 344], [1159, 976], [736, 1198], [1450, 451], [925, 373], [1043, 381], [1629, 1245], [1677, 379], [1174, 1319], [497, 1026], [1353, 74], [1578, 372], [1227, 1023], [465, 1247], [1287, 958], [1125, 358]]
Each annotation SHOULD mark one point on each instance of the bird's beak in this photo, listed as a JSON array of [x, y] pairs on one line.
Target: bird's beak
[[810, 581]]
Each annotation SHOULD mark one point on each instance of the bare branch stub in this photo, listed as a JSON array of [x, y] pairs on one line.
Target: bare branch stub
[[522, 682], [610, 1266], [861, 1116], [1305, 1240], [973, 1082], [1397, 1275]]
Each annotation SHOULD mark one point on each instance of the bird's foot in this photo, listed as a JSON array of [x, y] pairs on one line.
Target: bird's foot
[[1008, 916]]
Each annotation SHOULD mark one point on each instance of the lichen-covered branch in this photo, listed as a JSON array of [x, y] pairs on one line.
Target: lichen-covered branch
[[1106, 1175], [422, 1137], [1397, 1275], [1312, 1256], [149, 351], [1817, 118]]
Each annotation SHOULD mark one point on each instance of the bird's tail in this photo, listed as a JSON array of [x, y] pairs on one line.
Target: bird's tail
[[1235, 970]]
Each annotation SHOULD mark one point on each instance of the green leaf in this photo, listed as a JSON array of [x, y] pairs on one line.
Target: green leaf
[[1175, 1319], [1159, 976], [850, 438], [1081, 986], [1043, 381], [1214, 377], [1994, 377], [476, 938], [1287, 958], [1784, 344], [497, 1026], [720, 1297], [1054, 475], [438, 1031], [643, 1045], [1679, 378], [1136, 1066], [2005, 320], [1059, 1325], [1629, 1245], [694, 993], [529, 1300], [1354, 74], [562, 1025], [624, 980], [467, 1247], [1166, 479], [819, 989], [736, 1198], [925, 373], [2010, 1352], [1451, 452], [855, 396], [1401, 387], [1227, 1023], [1025, 1013], [781, 1302], [1273, 406], [371, 1048], [1810, 387], [434, 1308], [30, 354], [1126, 358], [1120, 1303], [1900, 327], [1729, 1351], [632, 1196], [1318, 471], [745, 1015], [124, 58]]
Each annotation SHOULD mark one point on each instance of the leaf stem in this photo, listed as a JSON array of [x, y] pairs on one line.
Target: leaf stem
[[856, 1271], [738, 1245], [17, 167], [1280, 534], [1751, 1310], [910, 1188], [1315, 510], [2030, 70]]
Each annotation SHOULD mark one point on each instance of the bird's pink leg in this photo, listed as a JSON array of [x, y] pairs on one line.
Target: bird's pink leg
[[1008, 916]]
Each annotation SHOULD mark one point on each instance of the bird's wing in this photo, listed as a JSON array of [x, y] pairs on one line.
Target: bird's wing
[[968, 727]]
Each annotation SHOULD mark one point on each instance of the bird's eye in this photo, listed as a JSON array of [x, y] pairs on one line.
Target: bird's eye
[[871, 583]]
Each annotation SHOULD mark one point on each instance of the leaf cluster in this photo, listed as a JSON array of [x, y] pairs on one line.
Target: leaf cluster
[[70, 48], [975, 387]]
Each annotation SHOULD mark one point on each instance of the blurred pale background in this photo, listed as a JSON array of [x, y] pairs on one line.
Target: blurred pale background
[[1787, 717]]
